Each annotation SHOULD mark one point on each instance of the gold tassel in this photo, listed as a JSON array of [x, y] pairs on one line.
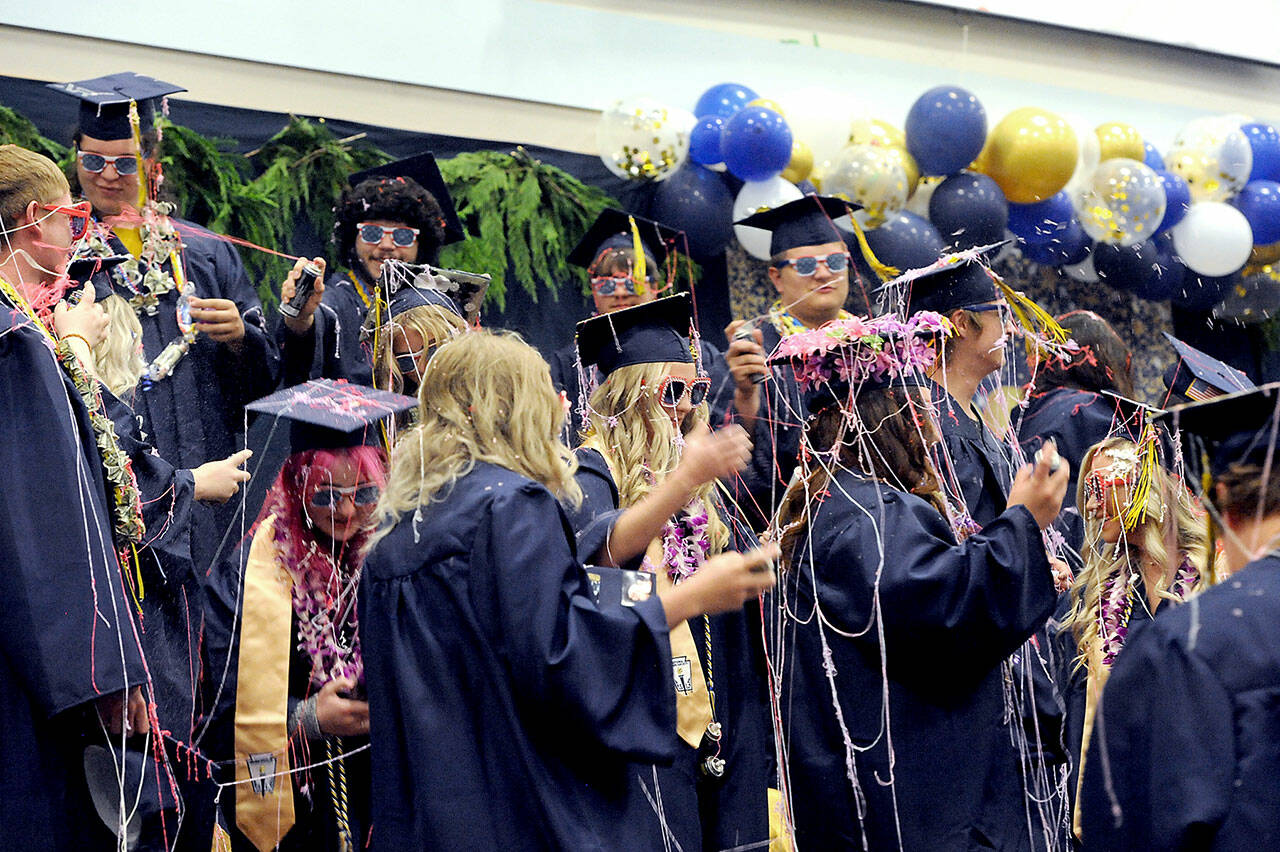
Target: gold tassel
[[1031, 316], [1137, 511], [135, 124], [639, 270], [1211, 529], [886, 273]]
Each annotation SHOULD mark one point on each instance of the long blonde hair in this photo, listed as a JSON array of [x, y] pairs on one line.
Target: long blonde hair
[[437, 327], [1171, 518], [486, 397], [628, 425], [119, 356]]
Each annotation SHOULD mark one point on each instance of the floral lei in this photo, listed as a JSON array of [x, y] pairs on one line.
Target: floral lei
[[1117, 604], [685, 542], [319, 594], [855, 349], [127, 525]]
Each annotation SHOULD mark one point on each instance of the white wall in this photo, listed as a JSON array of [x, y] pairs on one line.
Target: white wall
[[536, 71]]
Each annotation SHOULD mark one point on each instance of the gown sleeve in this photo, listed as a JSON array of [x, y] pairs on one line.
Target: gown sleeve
[[1162, 758], [593, 520]]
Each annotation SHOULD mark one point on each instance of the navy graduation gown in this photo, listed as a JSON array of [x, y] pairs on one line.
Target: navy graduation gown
[[331, 348], [978, 459], [196, 414], [1189, 726], [951, 615], [66, 630], [315, 828], [703, 813], [504, 703]]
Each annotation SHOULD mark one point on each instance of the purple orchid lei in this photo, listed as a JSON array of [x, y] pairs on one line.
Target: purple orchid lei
[[857, 349], [1117, 604], [318, 596], [685, 542]]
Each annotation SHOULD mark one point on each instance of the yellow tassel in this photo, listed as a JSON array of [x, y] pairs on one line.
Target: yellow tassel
[[638, 271], [135, 124], [1031, 316], [1137, 511], [221, 840], [1211, 529], [886, 273], [137, 569]]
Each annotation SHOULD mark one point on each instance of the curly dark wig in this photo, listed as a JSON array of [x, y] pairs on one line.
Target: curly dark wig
[[391, 200]]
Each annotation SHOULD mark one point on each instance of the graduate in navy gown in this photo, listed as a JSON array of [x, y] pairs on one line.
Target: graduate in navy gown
[[896, 637], [286, 669], [1183, 754], [505, 703], [809, 267], [647, 450], [192, 407], [398, 211], [70, 663], [608, 252]]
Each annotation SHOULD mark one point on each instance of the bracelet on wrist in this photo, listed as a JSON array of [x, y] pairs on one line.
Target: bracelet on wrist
[[70, 334]]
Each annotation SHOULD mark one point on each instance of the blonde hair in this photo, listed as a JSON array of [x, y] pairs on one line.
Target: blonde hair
[[119, 356], [628, 425], [1172, 518], [26, 176], [486, 397], [436, 325]]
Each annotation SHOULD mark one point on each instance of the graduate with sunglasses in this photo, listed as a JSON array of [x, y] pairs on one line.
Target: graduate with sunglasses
[[399, 211], [285, 666], [225, 358], [648, 469], [608, 252]]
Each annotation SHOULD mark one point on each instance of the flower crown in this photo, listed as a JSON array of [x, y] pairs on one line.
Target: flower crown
[[858, 350]]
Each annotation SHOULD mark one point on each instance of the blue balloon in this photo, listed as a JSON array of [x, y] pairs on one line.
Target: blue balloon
[[1177, 199], [756, 143], [696, 201], [1126, 268], [1152, 157], [1201, 292], [906, 241], [704, 140], [1264, 139], [1167, 275], [1042, 221], [1259, 201], [1068, 245], [946, 129], [724, 100], [969, 210]]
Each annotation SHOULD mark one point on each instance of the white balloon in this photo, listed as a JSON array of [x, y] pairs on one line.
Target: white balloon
[[757, 195], [1082, 271], [918, 203], [1213, 239], [1089, 157]]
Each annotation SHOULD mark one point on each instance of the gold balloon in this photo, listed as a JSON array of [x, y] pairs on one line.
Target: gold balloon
[[801, 164], [873, 131], [1031, 154], [1262, 255], [767, 103], [1118, 139]]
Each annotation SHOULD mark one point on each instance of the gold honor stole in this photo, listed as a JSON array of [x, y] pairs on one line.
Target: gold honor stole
[[693, 704], [264, 788]]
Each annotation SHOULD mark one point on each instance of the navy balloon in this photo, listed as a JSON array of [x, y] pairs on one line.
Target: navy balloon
[[695, 200], [1126, 267], [1177, 199], [1068, 245], [724, 99], [969, 210], [1152, 157], [1042, 221], [946, 129], [756, 143], [1264, 139], [704, 140], [1167, 275], [906, 241], [1201, 292], [1259, 201]]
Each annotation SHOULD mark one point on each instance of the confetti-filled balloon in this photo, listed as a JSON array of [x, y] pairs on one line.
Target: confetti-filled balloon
[[1213, 156], [752, 198], [642, 139], [1124, 203], [946, 129], [1031, 154], [1214, 239], [724, 99], [1119, 140], [870, 176], [875, 132], [756, 143]]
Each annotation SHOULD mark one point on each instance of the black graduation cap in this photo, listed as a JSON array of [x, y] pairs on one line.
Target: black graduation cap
[[651, 333], [958, 280], [326, 414], [104, 102], [422, 170], [807, 221], [95, 269], [107, 770], [1198, 376], [612, 229], [1234, 428]]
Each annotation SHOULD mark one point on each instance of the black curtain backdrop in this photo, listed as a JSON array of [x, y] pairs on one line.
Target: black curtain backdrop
[[547, 323]]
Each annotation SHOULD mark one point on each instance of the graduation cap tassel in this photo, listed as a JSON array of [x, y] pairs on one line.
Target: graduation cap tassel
[[639, 271], [1030, 315], [135, 126], [1137, 510], [886, 273]]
